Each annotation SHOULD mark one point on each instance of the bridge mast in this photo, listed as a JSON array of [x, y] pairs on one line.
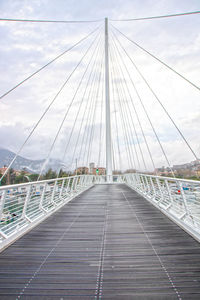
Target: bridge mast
[[107, 98]]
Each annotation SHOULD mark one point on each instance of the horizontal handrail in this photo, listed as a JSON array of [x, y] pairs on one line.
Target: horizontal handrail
[[23, 206], [169, 178], [37, 182], [178, 198]]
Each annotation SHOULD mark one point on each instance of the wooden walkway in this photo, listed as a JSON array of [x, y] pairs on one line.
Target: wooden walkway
[[108, 243]]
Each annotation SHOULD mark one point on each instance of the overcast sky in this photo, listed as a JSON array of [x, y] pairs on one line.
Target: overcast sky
[[25, 47]]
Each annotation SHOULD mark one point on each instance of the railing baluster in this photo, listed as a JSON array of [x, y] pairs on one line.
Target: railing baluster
[[169, 194], [187, 210], [3, 198], [41, 207], [53, 193], [61, 189], [26, 202]]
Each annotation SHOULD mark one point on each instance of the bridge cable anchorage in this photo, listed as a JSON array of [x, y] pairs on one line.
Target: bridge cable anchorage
[[50, 62], [86, 115], [134, 107], [154, 94], [69, 107], [49, 21], [158, 59], [122, 81], [158, 17], [43, 114], [123, 124], [94, 58], [156, 135]]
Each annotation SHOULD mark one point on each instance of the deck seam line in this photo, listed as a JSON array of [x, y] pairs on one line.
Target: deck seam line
[[99, 282], [51, 251], [161, 263]]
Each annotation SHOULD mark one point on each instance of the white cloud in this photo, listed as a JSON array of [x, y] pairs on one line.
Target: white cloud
[[27, 46]]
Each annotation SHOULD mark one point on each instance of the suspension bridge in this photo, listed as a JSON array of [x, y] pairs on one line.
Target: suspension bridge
[[120, 235]]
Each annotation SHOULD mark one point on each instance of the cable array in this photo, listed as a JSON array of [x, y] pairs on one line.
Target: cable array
[[134, 133], [159, 17]]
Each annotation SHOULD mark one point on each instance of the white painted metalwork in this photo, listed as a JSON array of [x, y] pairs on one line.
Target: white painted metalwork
[[107, 96], [23, 206], [179, 199]]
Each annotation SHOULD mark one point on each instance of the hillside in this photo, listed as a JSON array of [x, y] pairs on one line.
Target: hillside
[[32, 166]]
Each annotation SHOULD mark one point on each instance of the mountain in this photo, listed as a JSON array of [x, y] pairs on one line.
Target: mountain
[[32, 166]]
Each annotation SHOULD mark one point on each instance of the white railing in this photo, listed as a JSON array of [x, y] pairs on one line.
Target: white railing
[[111, 179], [23, 206], [179, 199]]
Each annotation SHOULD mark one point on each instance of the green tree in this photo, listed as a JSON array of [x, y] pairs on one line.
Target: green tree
[[50, 174], [3, 181]]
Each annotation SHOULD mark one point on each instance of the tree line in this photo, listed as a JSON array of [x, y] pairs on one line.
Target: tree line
[[12, 178]]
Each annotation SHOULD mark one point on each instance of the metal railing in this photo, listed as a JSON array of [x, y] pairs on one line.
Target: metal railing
[[111, 179], [23, 206], [179, 199]]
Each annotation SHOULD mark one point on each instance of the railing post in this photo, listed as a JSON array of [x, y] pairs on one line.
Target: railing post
[[3, 199], [81, 181], [135, 181], [26, 202], [187, 210], [72, 185], [153, 188], [142, 184], [42, 198], [68, 185], [76, 183], [53, 193], [61, 189], [169, 193], [147, 184], [160, 190]]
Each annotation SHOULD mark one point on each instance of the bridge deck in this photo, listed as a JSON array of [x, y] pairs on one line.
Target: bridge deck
[[108, 243]]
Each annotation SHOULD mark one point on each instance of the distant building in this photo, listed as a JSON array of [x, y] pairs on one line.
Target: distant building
[[3, 170], [184, 170], [82, 170], [91, 168], [102, 171]]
